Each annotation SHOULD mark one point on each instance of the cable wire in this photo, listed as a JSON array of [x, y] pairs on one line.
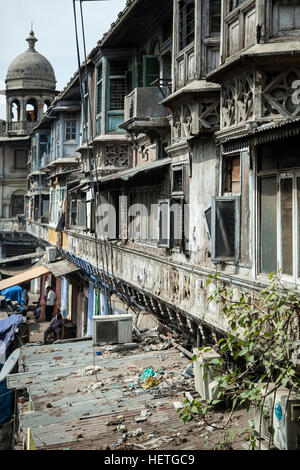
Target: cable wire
[[87, 141], [108, 297]]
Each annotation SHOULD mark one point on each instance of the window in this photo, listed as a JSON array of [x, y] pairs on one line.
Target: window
[[99, 90], [279, 208], [117, 84], [232, 175], [17, 205], [85, 102], [70, 129], [73, 212], [78, 216], [279, 231], [148, 70], [235, 3], [31, 110], [58, 138], [225, 228], [286, 16], [164, 223], [178, 180], [85, 111], [186, 23], [15, 111], [20, 159], [44, 141], [215, 17]]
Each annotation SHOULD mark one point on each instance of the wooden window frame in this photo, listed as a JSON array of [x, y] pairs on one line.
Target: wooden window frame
[[160, 242], [279, 175], [182, 42], [237, 238]]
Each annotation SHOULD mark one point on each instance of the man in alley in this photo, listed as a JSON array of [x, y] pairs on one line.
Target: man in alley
[[55, 327]]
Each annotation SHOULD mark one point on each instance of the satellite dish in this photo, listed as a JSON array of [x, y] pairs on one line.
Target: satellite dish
[[10, 364]]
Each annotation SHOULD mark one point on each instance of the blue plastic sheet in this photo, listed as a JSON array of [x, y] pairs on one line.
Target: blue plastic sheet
[[8, 328], [6, 401], [13, 293]]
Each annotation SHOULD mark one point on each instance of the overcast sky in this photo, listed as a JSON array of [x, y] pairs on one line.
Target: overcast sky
[[53, 25]]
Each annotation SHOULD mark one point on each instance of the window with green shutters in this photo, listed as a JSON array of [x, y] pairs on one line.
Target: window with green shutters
[[99, 90], [148, 71], [85, 102]]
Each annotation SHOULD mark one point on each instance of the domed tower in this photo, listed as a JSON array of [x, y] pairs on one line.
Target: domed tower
[[30, 88]]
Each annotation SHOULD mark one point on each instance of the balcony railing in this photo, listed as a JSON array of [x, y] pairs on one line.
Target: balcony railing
[[144, 102], [21, 127]]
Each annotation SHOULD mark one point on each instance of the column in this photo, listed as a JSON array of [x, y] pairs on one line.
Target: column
[[42, 297], [57, 303]]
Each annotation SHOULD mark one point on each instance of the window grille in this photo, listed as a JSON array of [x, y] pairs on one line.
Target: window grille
[[186, 23]]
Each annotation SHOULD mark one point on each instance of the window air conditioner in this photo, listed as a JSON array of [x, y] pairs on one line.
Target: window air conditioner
[[112, 329], [284, 409], [204, 385], [50, 254]]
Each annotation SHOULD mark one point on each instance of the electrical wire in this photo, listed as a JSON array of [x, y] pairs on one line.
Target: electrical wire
[[108, 297], [111, 280], [105, 274]]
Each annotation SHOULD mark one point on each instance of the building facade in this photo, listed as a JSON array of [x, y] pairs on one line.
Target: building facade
[[30, 87], [188, 161]]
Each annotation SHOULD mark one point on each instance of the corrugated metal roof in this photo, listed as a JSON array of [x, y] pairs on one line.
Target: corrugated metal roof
[[67, 412]]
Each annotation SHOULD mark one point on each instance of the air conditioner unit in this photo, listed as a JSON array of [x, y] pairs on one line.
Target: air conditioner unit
[[112, 329], [50, 254], [205, 386], [284, 408]]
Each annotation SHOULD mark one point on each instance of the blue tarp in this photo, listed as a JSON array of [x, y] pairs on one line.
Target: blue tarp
[[6, 401], [8, 328], [13, 293]]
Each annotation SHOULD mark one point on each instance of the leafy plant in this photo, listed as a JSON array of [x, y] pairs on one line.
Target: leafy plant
[[255, 355]]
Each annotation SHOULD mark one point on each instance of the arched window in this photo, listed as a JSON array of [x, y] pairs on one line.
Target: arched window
[[46, 106], [15, 111], [31, 110], [155, 47]]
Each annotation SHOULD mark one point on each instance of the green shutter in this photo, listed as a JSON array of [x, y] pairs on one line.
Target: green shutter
[[150, 69], [140, 75]]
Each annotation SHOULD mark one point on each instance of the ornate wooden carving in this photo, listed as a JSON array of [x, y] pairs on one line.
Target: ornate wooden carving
[[117, 155], [278, 93]]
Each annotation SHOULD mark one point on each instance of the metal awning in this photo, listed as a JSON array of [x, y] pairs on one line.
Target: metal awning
[[126, 174], [57, 268], [60, 268]]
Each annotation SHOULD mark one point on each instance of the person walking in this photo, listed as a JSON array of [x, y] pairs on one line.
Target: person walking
[[50, 299]]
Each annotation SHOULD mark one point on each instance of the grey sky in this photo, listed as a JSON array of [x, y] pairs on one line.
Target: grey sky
[[53, 26]]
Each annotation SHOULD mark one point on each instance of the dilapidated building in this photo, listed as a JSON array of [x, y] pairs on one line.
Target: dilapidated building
[[188, 160]]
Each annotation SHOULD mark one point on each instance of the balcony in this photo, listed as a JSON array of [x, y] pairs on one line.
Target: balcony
[[21, 127], [143, 112]]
